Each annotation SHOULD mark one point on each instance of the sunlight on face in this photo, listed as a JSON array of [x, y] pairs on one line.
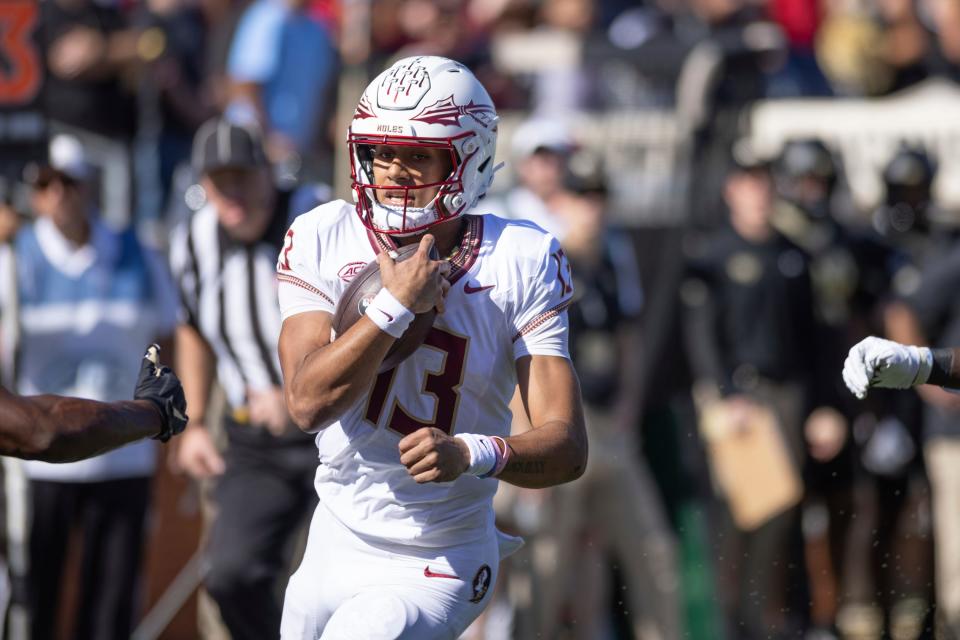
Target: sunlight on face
[[401, 166]]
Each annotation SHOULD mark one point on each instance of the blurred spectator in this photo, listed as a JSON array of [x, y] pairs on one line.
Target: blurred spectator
[[90, 51], [749, 317], [540, 149], [909, 219], [283, 73], [908, 215], [612, 516], [920, 40], [88, 47], [852, 274], [736, 47], [450, 28], [849, 49], [89, 299], [889, 490], [800, 74], [877, 48], [604, 331], [174, 98], [932, 317], [224, 260], [559, 90]]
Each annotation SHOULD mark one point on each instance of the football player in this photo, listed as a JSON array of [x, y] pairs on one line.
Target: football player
[[403, 543], [875, 362], [59, 429]]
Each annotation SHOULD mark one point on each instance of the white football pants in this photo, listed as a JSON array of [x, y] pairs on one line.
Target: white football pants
[[347, 589]]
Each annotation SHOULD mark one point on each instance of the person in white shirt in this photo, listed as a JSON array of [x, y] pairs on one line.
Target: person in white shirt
[[540, 149], [88, 298], [403, 543]]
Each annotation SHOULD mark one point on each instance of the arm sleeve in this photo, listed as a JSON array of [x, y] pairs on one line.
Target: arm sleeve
[[300, 287], [933, 299], [539, 322]]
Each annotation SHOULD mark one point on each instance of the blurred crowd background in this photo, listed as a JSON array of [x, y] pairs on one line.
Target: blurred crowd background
[[745, 188]]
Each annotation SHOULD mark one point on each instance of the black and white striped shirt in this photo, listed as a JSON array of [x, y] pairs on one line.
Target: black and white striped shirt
[[228, 294]]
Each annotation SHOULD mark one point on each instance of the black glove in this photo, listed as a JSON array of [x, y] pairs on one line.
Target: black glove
[[162, 387]]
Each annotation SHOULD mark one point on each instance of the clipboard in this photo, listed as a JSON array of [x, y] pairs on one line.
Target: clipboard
[[751, 465]]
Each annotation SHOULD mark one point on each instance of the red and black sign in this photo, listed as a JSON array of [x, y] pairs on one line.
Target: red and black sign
[[23, 129]]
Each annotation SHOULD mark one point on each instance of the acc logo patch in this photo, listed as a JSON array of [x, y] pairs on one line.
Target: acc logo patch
[[481, 583], [349, 270]]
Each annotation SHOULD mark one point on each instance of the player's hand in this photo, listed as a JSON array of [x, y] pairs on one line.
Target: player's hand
[[826, 432], [740, 411], [161, 386], [430, 455], [76, 52], [417, 282], [197, 454], [875, 362], [268, 408]]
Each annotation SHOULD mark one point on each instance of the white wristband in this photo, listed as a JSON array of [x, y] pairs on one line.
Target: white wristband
[[483, 453], [389, 314]]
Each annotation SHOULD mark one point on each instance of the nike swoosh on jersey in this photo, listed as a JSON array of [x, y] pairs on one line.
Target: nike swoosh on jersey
[[469, 289], [433, 574]]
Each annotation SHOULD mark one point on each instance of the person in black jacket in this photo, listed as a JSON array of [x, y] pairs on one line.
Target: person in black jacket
[[749, 326]]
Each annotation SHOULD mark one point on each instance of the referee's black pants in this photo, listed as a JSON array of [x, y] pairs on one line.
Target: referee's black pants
[[111, 516], [264, 495]]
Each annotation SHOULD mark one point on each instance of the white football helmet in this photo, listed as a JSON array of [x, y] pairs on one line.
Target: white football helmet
[[425, 101]]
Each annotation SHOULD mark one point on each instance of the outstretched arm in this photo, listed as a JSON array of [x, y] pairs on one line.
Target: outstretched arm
[[59, 429], [875, 362]]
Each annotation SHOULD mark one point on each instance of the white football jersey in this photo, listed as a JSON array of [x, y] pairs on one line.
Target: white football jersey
[[510, 286]]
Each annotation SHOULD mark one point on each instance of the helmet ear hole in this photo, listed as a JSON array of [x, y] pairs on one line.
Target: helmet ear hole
[[365, 154]]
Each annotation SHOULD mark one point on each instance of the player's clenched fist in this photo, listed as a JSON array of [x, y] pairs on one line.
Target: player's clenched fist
[[875, 362], [162, 387], [430, 455]]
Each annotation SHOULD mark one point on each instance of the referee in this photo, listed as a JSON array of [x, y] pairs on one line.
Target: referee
[[224, 261]]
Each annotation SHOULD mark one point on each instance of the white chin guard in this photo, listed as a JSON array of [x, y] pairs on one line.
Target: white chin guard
[[386, 216]]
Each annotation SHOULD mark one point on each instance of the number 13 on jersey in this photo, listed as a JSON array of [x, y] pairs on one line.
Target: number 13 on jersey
[[443, 384]]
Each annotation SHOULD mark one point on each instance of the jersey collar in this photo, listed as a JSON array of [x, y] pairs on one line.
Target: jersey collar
[[460, 260]]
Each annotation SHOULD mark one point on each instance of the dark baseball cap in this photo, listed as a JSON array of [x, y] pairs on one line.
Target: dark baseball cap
[[221, 144]]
